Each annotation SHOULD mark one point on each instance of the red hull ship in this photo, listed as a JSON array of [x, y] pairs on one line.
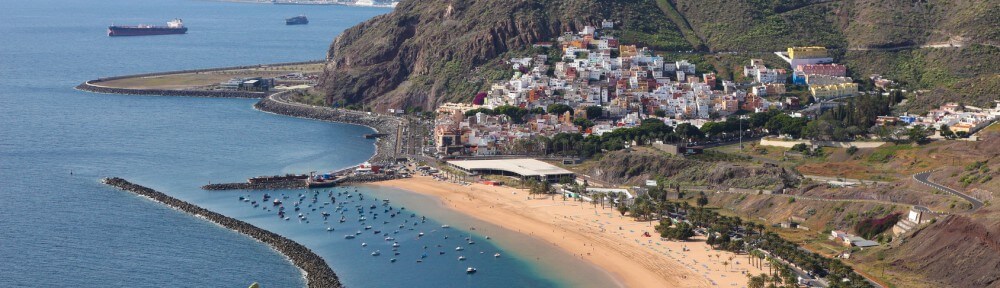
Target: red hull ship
[[175, 26]]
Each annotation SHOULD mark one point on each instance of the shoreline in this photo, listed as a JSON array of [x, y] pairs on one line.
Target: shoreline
[[585, 231], [277, 104], [314, 269], [274, 102]]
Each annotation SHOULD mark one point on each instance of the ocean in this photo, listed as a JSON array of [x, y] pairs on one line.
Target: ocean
[[62, 228]]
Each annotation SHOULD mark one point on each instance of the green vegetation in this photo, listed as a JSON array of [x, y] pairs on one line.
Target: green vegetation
[[871, 227], [885, 153]]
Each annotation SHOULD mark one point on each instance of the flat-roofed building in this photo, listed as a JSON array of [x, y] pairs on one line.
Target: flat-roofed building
[[524, 169]]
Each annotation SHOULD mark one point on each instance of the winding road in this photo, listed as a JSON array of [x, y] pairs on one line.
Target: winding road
[[924, 178]]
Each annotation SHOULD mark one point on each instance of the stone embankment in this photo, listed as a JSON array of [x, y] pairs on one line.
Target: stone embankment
[[385, 149], [293, 184], [93, 86], [317, 272], [369, 178]]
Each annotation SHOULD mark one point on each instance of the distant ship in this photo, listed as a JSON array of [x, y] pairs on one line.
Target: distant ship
[[297, 20], [175, 26]]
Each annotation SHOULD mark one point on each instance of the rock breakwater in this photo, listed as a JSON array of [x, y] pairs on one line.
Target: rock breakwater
[[317, 272], [293, 184]]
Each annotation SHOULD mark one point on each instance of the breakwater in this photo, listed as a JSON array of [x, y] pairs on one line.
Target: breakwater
[[293, 184], [317, 273], [385, 147], [94, 85], [91, 86]]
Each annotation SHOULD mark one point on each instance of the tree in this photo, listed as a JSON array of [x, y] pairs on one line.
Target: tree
[[688, 131], [917, 134], [594, 112], [702, 199], [713, 129], [756, 281], [946, 132], [622, 209], [584, 123], [538, 111], [558, 109], [681, 231]]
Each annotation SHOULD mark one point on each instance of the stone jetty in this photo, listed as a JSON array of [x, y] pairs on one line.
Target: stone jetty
[[317, 273], [291, 184]]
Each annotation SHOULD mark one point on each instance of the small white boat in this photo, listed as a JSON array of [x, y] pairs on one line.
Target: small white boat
[[389, 238], [421, 234], [461, 258], [329, 228], [348, 236], [364, 244], [393, 260], [470, 270], [445, 226], [459, 248], [376, 253], [496, 255], [395, 244]]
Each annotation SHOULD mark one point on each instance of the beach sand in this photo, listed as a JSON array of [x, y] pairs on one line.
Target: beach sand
[[599, 236]]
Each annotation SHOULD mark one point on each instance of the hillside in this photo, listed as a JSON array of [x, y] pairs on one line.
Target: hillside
[[431, 51], [427, 52]]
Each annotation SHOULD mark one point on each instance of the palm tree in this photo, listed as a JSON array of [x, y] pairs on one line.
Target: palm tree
[[726, 264], [756, 281]]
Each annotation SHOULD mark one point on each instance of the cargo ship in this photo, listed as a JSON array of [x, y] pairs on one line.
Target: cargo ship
[[297, 20], [175, 26]]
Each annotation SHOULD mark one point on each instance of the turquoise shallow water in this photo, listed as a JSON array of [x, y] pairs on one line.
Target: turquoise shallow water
[[62, 230]]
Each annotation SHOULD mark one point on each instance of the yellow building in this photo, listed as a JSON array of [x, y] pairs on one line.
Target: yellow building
[[807, 52], [834, 90]]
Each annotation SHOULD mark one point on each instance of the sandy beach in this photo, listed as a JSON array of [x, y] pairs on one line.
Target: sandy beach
[[599, 236]]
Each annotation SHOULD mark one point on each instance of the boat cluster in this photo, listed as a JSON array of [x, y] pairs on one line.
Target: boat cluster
[[341, 208]]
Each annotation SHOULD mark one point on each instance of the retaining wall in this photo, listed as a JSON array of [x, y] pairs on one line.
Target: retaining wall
[[839, 144]]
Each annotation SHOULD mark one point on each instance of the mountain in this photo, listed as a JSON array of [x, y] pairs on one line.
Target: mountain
[[426, 52]]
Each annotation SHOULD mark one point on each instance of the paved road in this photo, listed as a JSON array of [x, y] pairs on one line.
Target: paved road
[[923, 178]]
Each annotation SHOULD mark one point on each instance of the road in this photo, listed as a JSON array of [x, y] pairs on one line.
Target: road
[[924, 178]]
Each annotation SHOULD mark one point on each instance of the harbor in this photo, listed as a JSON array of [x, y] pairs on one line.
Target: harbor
[[317, 273]]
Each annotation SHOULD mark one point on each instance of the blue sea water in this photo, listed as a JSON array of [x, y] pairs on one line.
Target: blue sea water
[[59, 229]]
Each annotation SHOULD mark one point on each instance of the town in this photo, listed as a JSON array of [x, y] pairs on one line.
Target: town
[[598, 85]]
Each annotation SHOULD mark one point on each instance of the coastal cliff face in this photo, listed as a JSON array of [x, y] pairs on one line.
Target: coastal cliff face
[[427, 52]]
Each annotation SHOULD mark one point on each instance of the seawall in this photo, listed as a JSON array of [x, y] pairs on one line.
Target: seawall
[[94, 85], [91, 86], [317, 273], [385, 147]]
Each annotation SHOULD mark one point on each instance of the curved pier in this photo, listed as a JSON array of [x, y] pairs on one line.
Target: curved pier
[[317, 273]]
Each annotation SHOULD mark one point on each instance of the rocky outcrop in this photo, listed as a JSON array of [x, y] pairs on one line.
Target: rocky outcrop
[[317, 273]]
